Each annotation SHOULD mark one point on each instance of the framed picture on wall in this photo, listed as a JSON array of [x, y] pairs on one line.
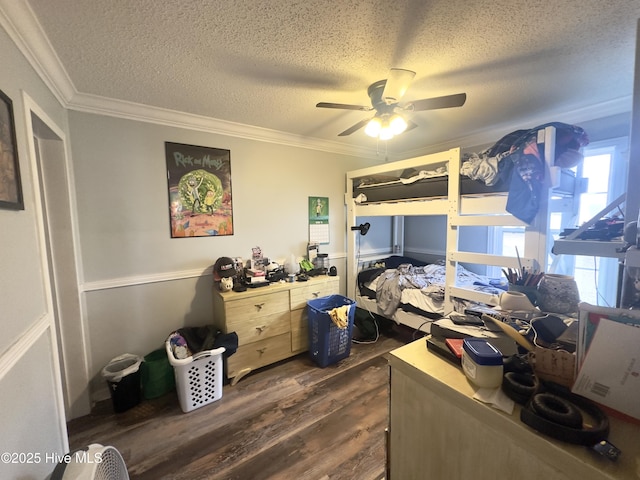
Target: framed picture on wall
[[10, 184], [200, 201]]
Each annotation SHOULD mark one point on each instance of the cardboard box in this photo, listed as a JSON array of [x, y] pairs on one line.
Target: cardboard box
[[558, 366], [610, 370]]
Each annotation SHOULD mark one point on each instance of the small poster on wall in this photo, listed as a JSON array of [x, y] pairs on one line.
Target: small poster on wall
[[318, 220], [199, 181], [10, 186]]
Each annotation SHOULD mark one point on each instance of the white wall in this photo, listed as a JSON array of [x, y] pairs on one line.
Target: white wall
[[141, 284], [31, 413]]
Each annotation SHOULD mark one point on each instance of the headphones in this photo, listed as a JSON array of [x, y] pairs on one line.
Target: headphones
[[553, 410], [556, 413]]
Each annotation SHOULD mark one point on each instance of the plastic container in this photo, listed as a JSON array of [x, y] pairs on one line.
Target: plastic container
[[482, 363], [156, 375], [122, 374], [321, 261], [329, 344], [198, 377]]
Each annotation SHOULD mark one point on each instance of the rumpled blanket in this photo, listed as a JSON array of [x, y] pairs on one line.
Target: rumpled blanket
[[429, 279], [482, 167], [516, 159]]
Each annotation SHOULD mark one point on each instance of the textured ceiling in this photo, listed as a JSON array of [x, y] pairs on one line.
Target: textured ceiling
[[267, 63]]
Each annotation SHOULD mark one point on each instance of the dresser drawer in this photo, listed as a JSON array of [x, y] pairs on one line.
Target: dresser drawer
[[243, 310], [299, 330], [259, 327], [258, 354], [315, 289]]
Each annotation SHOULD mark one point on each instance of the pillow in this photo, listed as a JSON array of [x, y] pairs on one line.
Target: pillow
[[394, 261]]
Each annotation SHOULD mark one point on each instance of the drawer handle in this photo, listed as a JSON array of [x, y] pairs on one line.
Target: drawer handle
[[259, 306], [315, 294], [261, 350], [261, 328]]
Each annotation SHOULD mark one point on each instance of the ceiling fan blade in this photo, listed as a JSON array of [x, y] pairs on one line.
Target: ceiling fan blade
[[354, 128], [344, 106], [410, 125], [397, 85], [447, 101]]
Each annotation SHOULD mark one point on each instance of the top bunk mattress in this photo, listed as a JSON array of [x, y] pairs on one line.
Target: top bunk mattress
[[513, 163], [384, 188]]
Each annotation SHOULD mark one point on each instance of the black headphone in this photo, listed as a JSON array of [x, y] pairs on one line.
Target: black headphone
[[553, 410]]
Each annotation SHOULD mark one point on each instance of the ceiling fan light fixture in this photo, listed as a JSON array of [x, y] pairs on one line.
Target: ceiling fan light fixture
[[374, 127], [386, 133], [397, 85], [397, 124], [385, 95]]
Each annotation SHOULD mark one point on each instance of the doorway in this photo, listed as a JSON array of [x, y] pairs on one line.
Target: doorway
[[57, 221]]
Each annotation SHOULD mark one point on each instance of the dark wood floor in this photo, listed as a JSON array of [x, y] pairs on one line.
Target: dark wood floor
[[292, 420]]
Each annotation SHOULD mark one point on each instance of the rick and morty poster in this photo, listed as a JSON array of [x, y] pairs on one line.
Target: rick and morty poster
[[199, 181]]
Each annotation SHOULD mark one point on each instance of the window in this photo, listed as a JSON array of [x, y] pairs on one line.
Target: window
[[605, 169]]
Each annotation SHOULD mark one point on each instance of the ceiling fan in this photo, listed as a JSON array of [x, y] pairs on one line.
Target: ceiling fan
[[385, 98]]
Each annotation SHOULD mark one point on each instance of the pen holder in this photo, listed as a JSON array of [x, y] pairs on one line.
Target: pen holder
[[531, 291]]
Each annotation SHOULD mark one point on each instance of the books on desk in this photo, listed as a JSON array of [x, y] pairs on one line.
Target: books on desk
[[446, 328], [253, 282], [440, 347]]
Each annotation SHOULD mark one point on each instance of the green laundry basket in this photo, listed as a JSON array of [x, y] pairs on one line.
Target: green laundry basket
[[157, 376]]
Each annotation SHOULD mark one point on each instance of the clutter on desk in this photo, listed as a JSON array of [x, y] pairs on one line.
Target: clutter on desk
[[630, 297], [605, 229], [481, 363], [562, 372], [227, 272], [515, 301], [558, 294], [523, 276], [234, 273], [316, 263], [553, 410]]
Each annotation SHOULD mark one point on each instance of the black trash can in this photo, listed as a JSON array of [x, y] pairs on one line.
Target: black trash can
[[123, 377]]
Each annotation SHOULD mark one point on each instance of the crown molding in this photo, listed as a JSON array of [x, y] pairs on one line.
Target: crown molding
[[96, 104], [22, 26], [489, 135]]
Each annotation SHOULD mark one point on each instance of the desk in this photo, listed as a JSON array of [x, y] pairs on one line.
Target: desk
[[437, 431]]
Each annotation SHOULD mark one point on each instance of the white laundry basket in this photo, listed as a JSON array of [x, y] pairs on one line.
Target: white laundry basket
[[198, 377]]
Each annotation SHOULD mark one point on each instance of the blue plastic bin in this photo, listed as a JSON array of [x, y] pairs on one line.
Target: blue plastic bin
[[329, 344]]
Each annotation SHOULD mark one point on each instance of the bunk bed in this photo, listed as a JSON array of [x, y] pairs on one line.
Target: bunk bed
[[435, 184]]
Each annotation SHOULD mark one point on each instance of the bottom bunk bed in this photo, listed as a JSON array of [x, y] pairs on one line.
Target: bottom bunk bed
[[411, 292]]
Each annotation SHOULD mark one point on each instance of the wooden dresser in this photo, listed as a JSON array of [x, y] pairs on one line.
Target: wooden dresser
[[437, 430], [271, 322]]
